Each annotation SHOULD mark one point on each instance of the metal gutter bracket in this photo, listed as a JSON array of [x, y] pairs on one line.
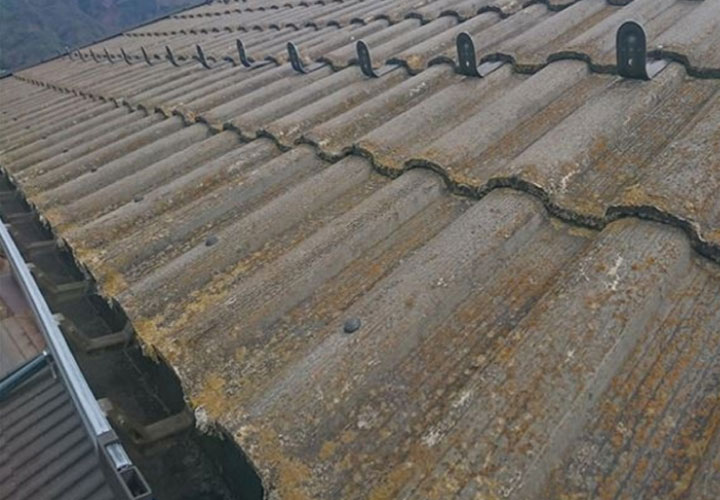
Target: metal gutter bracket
[[109, 57], [201, 57], [297, 63], [631, 53], [242, 55], [146, 56], [125, 56], [94, 57], [81, 56], [170, 56], [365, 61], [467, 60]]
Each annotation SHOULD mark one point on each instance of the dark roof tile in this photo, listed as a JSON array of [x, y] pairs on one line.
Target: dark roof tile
[[45, 451]]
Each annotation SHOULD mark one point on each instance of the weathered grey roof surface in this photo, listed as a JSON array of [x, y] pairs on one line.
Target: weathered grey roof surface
[[533, 256]]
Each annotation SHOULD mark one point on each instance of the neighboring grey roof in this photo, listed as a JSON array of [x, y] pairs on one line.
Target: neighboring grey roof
[[533, 255], [20, 339], [53, 443], [45, 452]]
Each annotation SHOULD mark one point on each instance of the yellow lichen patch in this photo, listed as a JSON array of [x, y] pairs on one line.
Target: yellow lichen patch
[[637, 196], [389, 487], [327, 450], [572, 496], [112, 283], [488, 487], [415, 62], [212, 396], [54, 217], [212, 294], [714, 237], [87, 255], [389, 158], [292, 475], [693, 444], [579, 231], [599, 149], [190, 116], [348, 436], [148, 332]]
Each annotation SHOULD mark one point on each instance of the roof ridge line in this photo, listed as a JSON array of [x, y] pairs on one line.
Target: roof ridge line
[[693, 70]]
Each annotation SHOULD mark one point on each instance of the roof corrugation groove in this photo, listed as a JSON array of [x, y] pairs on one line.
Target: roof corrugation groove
[[551, 331], [44, 449]]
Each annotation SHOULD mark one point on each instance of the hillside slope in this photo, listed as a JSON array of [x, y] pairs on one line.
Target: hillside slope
[[34, 30]]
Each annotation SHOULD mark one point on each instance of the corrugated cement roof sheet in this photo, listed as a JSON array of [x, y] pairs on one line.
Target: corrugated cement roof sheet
[[527, 262]]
